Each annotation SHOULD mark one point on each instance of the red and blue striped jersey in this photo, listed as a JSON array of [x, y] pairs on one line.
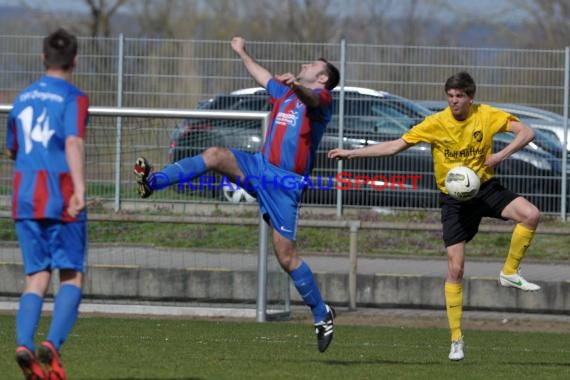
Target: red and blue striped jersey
[[43, 116], [294, 130]]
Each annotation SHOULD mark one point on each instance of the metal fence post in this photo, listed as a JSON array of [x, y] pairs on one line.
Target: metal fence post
[[352, 274], [261, 302], [120, 63], [341, 119], [564, 189]]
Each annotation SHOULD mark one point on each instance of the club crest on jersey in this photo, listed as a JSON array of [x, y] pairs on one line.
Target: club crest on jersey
[[478, 136], [285, 119]]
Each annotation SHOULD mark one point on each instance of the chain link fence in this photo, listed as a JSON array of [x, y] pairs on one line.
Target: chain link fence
[[182, 74]]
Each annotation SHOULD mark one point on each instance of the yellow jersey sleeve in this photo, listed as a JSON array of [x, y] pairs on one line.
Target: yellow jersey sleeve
[[461, 143]]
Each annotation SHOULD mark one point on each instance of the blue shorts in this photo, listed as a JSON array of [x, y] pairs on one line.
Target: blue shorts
[[278, 191], [48, 244]]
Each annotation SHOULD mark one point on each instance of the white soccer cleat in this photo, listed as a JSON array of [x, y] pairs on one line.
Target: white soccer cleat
[[456, 352], [517, 281]]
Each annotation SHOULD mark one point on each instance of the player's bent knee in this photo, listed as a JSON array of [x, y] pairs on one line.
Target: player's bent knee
[[535, 216], [531, 215], [215, 155]]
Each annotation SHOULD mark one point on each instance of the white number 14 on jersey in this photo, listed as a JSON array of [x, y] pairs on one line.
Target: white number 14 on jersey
[[38, 131]]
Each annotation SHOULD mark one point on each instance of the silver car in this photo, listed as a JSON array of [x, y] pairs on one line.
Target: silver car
[[549, 123]]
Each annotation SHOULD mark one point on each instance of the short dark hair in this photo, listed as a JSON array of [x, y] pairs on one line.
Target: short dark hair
[[461, 81], [333, 74], [60, 50]]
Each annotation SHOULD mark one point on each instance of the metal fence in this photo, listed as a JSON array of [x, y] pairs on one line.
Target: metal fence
[[179, 74], [160, 73], [167, 76]]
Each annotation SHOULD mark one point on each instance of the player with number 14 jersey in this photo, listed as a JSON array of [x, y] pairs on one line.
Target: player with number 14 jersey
[[43, 116]]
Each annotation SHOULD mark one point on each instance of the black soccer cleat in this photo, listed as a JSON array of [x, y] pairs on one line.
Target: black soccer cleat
[[142, 171], [324, 329]]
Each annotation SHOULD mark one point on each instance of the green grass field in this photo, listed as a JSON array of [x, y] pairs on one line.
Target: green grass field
[[133, 348]]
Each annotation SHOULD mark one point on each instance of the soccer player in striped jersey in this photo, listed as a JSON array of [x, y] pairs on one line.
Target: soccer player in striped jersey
[[45, 137], [302, 108]]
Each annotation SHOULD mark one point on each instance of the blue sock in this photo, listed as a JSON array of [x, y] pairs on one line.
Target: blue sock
[[65, 312], [185, 169], [27, 319], [308, 289]]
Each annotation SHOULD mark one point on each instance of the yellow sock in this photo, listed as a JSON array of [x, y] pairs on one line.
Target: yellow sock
[[520, 241], [454, 306]]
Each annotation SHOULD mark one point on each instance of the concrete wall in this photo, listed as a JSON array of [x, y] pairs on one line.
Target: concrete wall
[[219, 285]]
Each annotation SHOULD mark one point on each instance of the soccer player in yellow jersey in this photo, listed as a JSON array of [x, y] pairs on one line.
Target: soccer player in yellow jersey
[[462, 134]]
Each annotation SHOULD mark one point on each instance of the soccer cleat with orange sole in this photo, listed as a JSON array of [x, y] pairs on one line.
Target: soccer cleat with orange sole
[[29, 364], [50, 358]]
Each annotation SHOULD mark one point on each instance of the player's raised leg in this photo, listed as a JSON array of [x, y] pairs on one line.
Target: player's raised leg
[[527, 216], [218, 159]]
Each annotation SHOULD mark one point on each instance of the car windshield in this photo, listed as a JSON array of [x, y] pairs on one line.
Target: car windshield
[[251, 102], [531, 114], [547, 140], [384, 115]]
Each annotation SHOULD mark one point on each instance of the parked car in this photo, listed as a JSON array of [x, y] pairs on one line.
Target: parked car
[[369, 117]]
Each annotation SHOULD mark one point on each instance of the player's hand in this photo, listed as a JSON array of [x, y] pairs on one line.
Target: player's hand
[[238, 44], [339, 154], [288, 79], [76, 204], [11, 154], [493, 160]]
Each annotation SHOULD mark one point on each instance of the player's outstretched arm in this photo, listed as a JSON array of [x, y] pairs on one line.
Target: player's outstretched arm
[[388, 148], [257, 72]]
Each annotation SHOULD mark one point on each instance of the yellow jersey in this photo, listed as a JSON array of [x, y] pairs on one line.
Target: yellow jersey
[[461, 143]]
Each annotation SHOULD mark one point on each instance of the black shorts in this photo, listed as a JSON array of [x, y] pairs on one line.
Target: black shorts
[[461, 219]]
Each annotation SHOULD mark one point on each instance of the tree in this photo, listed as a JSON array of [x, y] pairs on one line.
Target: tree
[[101, 12], [543, 24]]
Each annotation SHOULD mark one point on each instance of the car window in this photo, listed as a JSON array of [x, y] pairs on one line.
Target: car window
[[534, 114], [237, 103], [379, 115], [253, 103], [528, 119], [547, 140], [549, 136], [384, 117]]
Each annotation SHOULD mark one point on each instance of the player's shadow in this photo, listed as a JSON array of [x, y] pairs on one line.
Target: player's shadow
[[540, 364], [347, 363], [152, 378]]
